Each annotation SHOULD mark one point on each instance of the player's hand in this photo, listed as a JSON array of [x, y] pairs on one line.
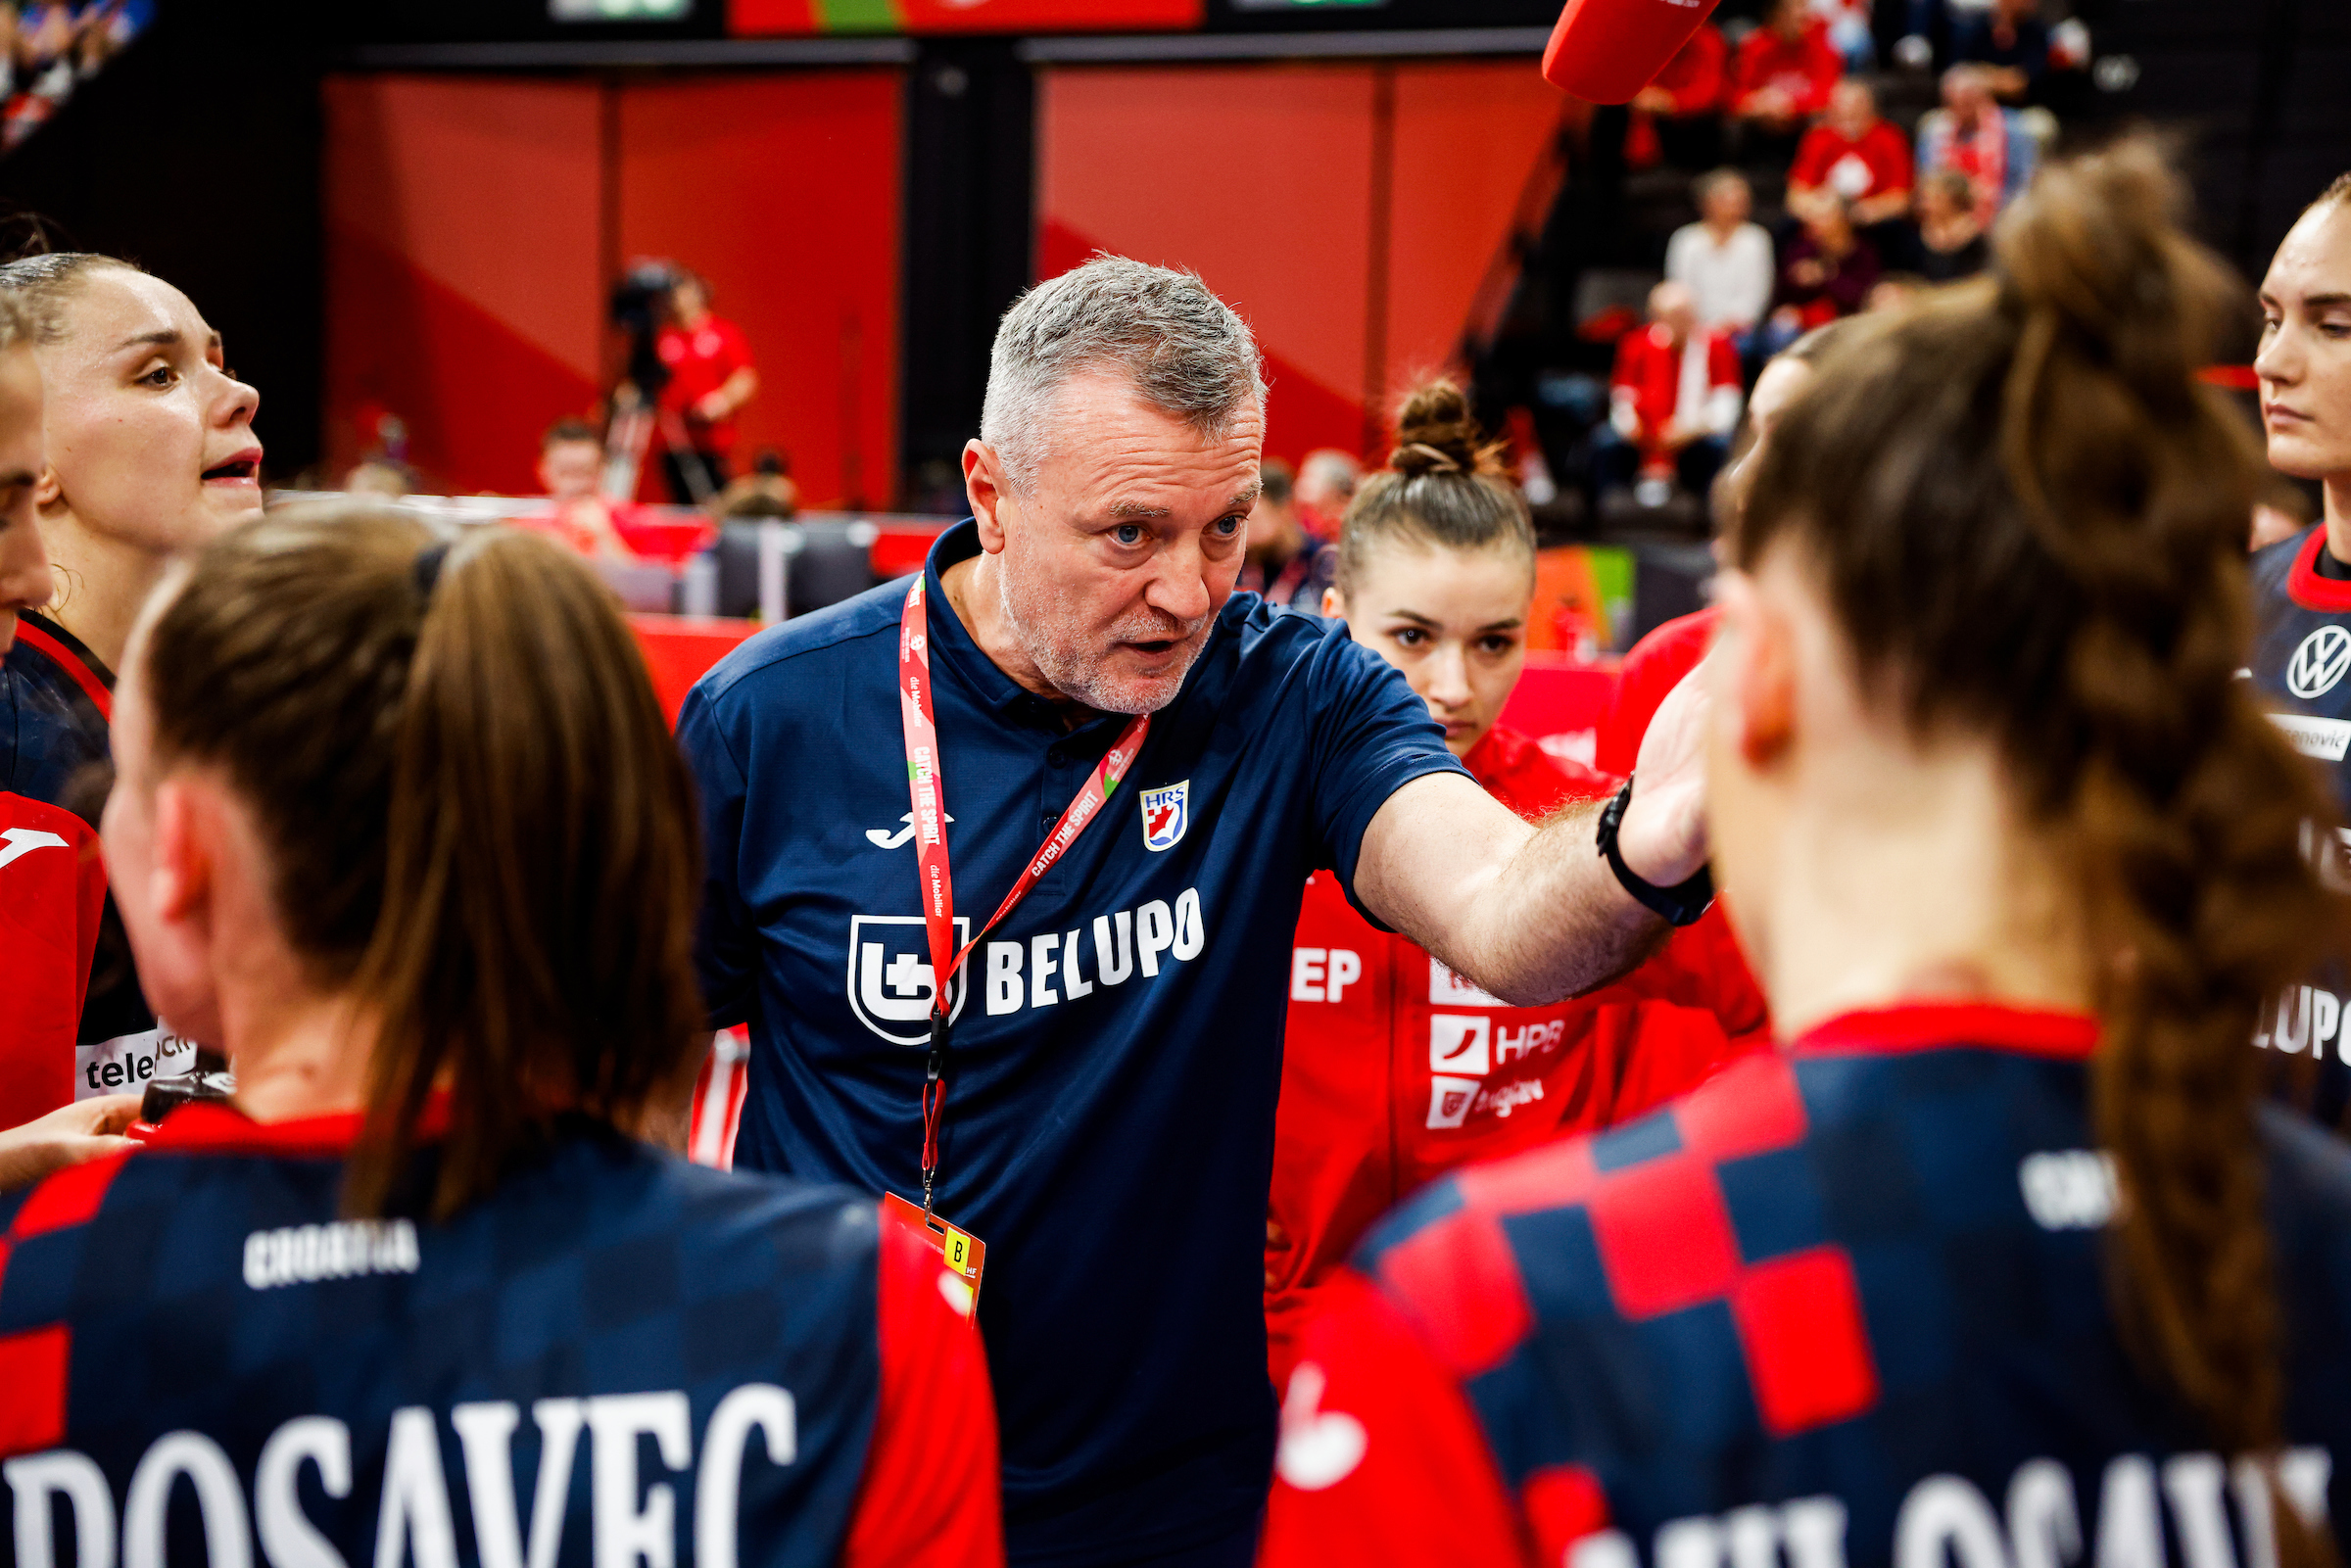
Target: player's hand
[[712, 408], [85, 1131], [1664, 835]]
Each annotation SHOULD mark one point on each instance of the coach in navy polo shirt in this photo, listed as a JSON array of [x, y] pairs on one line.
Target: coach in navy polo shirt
[[1116, 1047]]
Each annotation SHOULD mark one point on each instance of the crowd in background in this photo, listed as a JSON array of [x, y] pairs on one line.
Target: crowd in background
[[50, 47]]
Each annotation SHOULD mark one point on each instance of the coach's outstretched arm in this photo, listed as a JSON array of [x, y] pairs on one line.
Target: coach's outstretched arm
[[1535, 914]]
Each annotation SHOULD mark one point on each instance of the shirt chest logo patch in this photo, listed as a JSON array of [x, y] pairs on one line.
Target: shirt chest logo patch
[[889, 981], [2319, 664], [1166, 813]]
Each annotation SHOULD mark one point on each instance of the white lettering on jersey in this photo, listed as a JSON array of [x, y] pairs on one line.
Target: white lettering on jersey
[[18, 843], [1448, 989], [1049, 969], [633, 1519], [342, 1248], [2069, 1189], [2304, 1016], [1946, 1521], [127, 1063], [1323, 975], [2319, 663], [2327, 739]]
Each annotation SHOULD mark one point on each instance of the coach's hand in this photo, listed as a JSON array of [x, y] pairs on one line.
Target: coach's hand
[[1532, 915], [87, 1129], [1664, 835]]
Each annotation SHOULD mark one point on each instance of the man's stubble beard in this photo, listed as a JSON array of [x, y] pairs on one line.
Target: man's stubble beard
[[1052, 636]]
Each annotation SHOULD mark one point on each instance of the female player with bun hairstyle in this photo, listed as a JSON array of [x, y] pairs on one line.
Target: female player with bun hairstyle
[[150, 452], [1394, 1069], [400, 827], [2003, 1260]]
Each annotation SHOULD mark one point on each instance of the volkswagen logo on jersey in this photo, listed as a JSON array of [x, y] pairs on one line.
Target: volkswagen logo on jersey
[[2319, 663], [889, 976], [1166, 813]]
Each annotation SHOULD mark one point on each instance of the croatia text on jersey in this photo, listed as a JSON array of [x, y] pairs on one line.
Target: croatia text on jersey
[[639, 1449], [2216, 1513]]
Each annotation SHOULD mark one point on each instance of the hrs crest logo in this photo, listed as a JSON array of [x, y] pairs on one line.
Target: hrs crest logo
[[2319, 664], [890, 982], [1166, 813]]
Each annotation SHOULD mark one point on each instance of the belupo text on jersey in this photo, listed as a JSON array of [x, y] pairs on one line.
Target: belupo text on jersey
[[2220, 1517], [633, 1512], [1053, 967]]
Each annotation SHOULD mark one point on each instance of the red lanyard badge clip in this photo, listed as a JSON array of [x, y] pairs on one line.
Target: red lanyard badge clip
[[926, 786]]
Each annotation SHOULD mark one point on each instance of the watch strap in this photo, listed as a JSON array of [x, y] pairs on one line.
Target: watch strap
[[1684, 902]]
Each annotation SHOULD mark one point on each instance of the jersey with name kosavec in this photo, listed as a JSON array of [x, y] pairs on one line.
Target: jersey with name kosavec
[[2302, 666], [612, 1355], [1841, 1305], [1117, 1044], [56, 706]]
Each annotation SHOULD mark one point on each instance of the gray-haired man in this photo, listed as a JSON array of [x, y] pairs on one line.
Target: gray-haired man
[[1115, 1043]]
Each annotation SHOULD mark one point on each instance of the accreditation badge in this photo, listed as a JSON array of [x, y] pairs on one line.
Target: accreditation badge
[[961, 1252]]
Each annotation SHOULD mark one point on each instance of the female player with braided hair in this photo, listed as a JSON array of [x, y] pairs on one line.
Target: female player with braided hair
[[1394, 1069], [2003, 1261], [401, 828]]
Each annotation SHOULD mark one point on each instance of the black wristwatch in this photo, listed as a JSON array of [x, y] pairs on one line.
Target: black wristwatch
[[1682, 903]]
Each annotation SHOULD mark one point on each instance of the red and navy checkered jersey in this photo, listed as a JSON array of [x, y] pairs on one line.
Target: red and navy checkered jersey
[[1116, 1053], [2301, 654], [1843, 1304], [56, 705], [613, 1356]]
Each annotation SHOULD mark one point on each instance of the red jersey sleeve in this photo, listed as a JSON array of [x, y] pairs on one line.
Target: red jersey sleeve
[[52, 891], [733, 351], [931, 1497], [1381, 1457], [1822, 65]]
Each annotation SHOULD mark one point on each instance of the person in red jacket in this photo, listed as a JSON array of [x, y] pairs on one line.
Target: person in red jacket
[[710, 378], [1395, 1070], [1854, 154], [1678, 116], [1673, 401], [1781, 78]]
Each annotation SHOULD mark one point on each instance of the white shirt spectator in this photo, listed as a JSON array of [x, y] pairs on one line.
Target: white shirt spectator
[[1730, 281]]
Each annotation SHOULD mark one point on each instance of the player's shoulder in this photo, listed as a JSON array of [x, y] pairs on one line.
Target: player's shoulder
[[836, 637], [2273, 565]]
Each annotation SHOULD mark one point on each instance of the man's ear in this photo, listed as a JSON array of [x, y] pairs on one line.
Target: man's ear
[[1334, 604], [984, 488], [185, 840], [1758, 686]]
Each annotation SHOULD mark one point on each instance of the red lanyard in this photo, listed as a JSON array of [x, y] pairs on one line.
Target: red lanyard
[[926, 784]]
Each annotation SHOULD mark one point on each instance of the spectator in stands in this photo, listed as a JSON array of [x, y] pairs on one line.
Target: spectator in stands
[[1672, 404], [1326, 483], [767, 491], [1784, 70], [710, 378], [1680, 110], [1951, 236], [380, 476], [1975, 137], [1724, 260], [1282, 560], [1854, 154], [2011, 43], [571, 469], [1828, 273]]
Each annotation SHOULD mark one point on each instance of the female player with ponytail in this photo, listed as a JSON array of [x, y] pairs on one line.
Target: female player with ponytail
[[400, 827], [1395, 1070], [2003, 1260]]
